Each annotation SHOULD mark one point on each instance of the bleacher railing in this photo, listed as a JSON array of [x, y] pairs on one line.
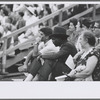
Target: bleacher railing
[[49, 18]]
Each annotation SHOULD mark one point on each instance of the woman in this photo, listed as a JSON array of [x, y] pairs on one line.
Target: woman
[[87, 60]]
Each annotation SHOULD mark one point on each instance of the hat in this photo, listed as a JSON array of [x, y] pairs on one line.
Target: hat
[[59, 32], [47, 31], [30, 9]]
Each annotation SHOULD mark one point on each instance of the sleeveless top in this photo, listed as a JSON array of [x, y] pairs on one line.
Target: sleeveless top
[[82, 61]]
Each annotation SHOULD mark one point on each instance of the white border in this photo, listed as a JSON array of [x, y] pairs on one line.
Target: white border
[[57, 2], [49, 90]]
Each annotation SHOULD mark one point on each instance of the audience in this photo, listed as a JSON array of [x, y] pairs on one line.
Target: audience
[[47, 59], [53, 62], [84, 67]]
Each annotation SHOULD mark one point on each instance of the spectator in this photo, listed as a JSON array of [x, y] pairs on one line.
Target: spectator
[[59, 39], [21, 22], [45, 46], [87, 61], [32, 31]]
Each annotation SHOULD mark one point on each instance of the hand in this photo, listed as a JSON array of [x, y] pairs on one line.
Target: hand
[[22, 68], [38, 39], [72, 73]]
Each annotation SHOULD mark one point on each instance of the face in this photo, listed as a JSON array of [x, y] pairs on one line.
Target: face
[[82, 41], [71, 26], [1, 12], [96, 26], [42, 36], [57, 41], [78, 26]]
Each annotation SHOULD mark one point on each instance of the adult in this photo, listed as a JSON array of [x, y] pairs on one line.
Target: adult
[[30, 19], [55, 62], [43, 45], [87, 61]]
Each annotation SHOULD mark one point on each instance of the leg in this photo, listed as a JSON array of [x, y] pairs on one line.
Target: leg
[[29, 77], [58, 70], [35, 66], [45, 70]]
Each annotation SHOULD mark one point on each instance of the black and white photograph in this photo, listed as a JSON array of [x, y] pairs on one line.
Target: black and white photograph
[[49, 49]]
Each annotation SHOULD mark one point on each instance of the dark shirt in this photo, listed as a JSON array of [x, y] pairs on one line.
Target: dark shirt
[[65, 50]]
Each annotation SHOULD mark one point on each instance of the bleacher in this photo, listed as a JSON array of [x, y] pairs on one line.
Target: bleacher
[[17, 60]]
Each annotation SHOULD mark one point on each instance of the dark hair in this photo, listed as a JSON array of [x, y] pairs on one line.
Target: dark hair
[[5, 11], [86, 22], [41, 24], [47, 31], [21, 14], [46, 5], [87, 35], [10, 6], [74, 21], [35, 5], [48, 10]]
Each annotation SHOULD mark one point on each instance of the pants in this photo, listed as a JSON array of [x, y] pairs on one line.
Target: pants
[[58, 69], [43, 70]]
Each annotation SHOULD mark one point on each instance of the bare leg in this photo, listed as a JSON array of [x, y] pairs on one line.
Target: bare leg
[[29, 77]]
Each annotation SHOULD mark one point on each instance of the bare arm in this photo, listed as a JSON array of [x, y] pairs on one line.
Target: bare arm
[[91, 63], [28, 57]]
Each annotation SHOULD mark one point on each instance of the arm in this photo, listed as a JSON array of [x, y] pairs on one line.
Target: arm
[[65, 50], [28, 57], [91, 63]]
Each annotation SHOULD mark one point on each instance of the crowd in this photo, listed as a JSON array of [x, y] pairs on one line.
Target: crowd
[[53, 46], [81, 41]]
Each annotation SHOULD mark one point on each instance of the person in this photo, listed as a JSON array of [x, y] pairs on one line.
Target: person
[[30, 18], [55, 60], [72, 29], [85, 25], [87, 60], [43, 45], [21, 22]]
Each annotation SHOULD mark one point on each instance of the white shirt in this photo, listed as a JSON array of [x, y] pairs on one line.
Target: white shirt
[[49, 47], [34, 29]]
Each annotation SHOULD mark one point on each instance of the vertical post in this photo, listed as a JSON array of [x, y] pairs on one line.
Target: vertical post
[[4, 56], [94, 11], [50, 22], [60, 18]]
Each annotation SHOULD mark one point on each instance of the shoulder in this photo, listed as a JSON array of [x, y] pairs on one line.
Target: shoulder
[[95, 52], [69, 44]]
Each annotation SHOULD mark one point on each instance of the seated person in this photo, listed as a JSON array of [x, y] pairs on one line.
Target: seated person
[[43, 45], [86, 61], [39, 72]]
